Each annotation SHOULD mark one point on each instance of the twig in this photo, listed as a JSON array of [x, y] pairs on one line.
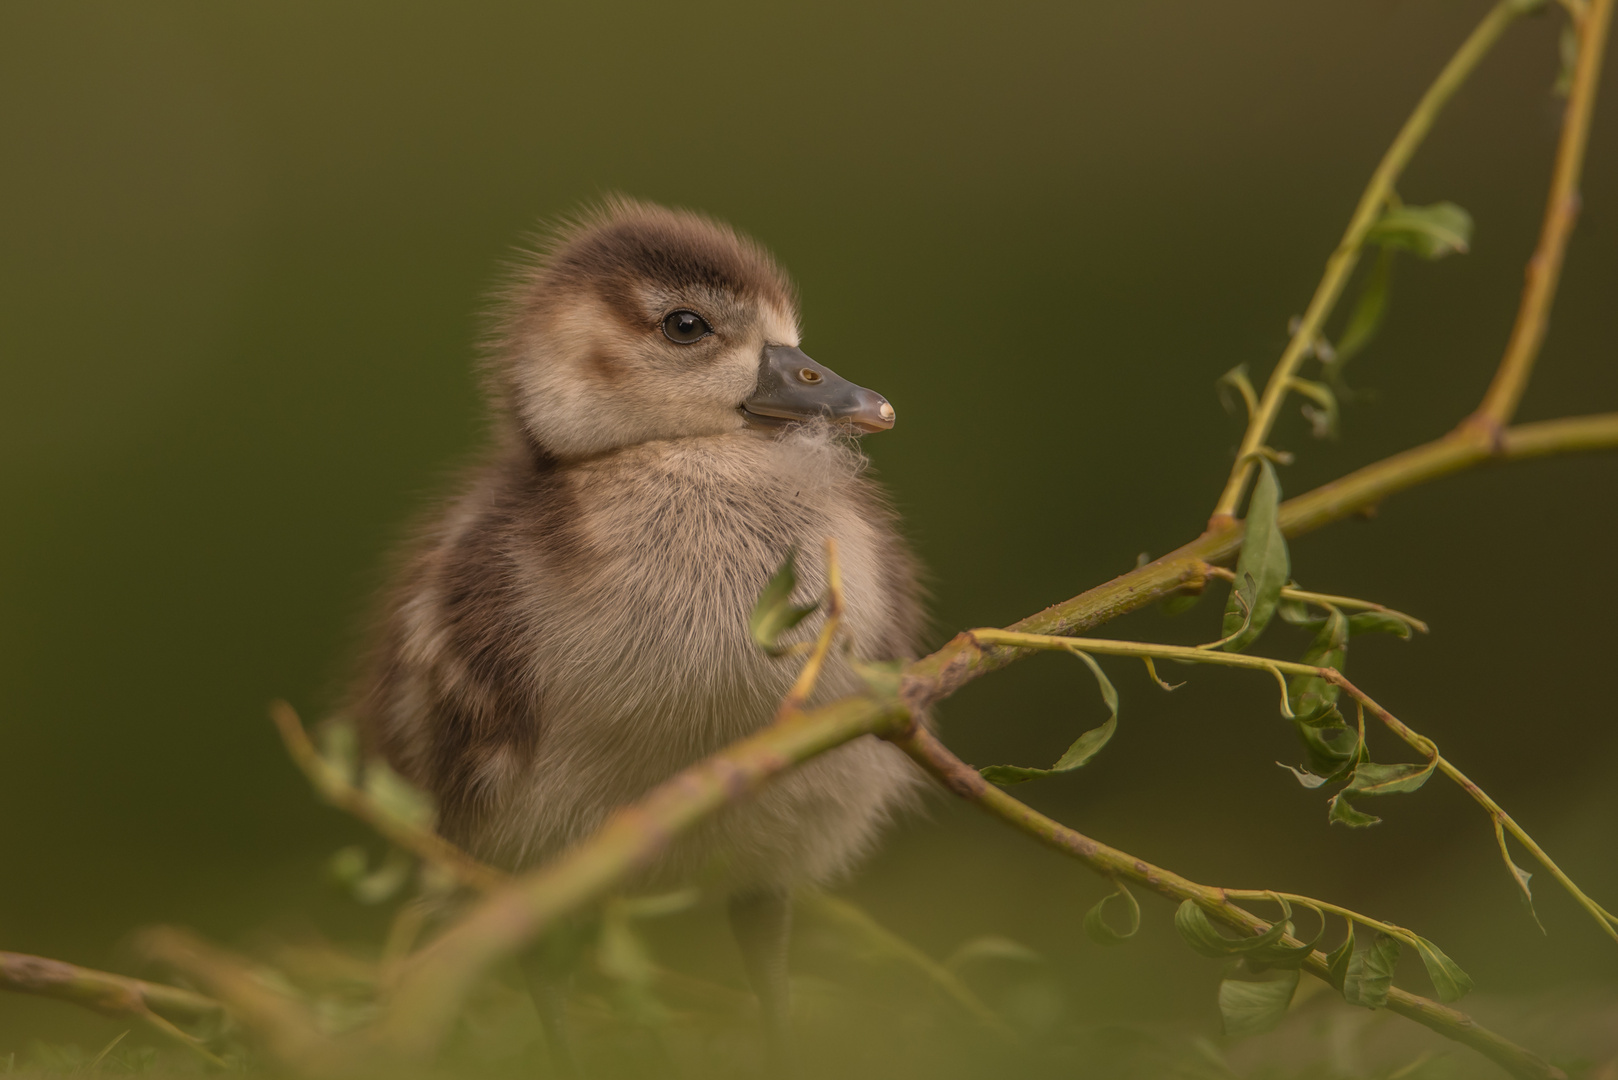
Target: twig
[[1607, 920], [1420, 743], [1561, 212], [937, 676], [336, 789], [111, 995], [964, 781], [810, 672], [432, 985], [1341, 264]]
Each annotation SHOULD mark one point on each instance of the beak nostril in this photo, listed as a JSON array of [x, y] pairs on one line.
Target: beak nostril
[[809, 375]]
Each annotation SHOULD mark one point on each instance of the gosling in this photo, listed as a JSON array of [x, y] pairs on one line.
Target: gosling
[[572, 627]]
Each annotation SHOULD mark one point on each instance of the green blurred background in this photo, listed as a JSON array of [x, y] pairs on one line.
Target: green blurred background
[[242, 252]]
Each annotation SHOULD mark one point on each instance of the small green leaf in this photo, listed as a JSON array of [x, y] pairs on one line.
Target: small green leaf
[[1085, 747], [1340, 812], [1199, 933], [1096, 926], [1337, 962], [1366, 318], [1254, 1002], [1304, 776], [775, 613], [1372, 779], [1236, 378], [1521, 876], [398, 797], [1448, 979], [1430, 231], [1369, 974], [1262, 568], [1378, 622], [1311, 696]]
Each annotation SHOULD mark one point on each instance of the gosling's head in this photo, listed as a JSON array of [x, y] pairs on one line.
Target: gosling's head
[[641, 323]]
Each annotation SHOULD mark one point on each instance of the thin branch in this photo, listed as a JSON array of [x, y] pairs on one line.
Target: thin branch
[[964, 781], [432, 985], [1606, 919], [807, 676], [1561, 212], [1341, 264], [336, 789], [111, 995], [937, 676]]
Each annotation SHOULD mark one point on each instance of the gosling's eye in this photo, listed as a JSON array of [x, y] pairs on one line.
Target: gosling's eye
[[685, 327]]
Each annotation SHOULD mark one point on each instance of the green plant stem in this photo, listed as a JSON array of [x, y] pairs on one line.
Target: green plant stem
[[1561, 212], [111, 995], [959, 661], [963, 780], [1424, 745], [337, 790], [1341, 264], [1420, 743], [432, 985], [1347, 603]]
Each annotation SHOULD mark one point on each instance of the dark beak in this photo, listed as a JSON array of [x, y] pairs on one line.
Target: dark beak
[[792, 387]]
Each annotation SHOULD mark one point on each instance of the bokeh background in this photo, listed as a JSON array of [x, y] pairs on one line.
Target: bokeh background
[[243, 249]]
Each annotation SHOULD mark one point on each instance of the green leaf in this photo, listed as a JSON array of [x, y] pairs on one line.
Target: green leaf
[[1096, 926], [397, 797], [1311, 696], [1296, 612], [1084, 748], [1448, 979], [1372, 779], [1332, 748], [1199, 933], [1369, 973], [1521, 876], [1338, 811], [1304, 776], [1337, 962], [1366, 318], [1378, 622], [775, 613], [1236, 378], [1254, 1003], [1262, 568], [1430, 231]]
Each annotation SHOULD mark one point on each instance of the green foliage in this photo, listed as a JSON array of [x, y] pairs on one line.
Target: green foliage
[[775, 614], [1262, 567], [1095, 923], [1085, 747]]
